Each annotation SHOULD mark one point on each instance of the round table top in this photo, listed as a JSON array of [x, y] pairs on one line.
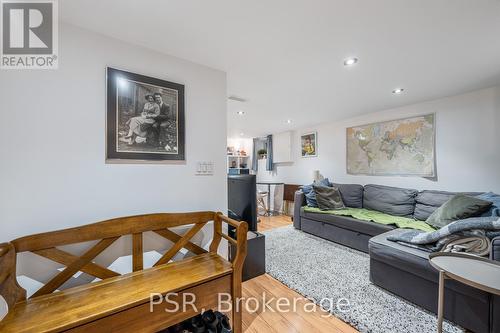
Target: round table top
[[477, 272]]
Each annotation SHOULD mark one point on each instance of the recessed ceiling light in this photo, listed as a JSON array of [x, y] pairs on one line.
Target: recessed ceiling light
[[350, 61], [240, 113], [288, 121], [241, 134], [398, 91]]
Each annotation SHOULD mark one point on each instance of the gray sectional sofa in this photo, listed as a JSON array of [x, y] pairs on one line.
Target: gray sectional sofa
[[399, 269]]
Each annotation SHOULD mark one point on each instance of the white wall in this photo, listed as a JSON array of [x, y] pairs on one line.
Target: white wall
[[467, 146], [241, 143], [52, 142]]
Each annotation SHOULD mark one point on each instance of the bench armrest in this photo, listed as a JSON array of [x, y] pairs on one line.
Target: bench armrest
[[240, 242], [495, 249], [239, 259], [9, 288], [300, 200]]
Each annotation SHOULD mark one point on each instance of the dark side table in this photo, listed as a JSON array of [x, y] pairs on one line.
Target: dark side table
[[255, 261]]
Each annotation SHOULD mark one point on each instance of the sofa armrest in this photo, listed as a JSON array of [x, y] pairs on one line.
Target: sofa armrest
[[299, 201], [495, 249]]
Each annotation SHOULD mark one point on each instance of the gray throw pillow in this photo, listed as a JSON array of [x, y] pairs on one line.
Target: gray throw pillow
[[328, 197], [390, 200], [309, 191], [459, 207], [352, 194]]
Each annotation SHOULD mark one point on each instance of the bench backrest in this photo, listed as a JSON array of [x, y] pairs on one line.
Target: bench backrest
[[106, 233]]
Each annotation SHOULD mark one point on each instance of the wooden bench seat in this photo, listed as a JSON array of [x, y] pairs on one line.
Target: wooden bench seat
[[87, 303], [122, 303]]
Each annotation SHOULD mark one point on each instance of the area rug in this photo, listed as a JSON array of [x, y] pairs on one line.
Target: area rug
[[320, 269]]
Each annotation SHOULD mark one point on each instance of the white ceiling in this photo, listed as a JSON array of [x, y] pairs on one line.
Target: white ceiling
[[286, 56]]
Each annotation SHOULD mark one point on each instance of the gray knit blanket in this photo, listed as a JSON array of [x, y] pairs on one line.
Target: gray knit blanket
[[474, 228]]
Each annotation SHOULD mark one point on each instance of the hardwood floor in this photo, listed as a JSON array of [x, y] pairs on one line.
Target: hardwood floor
[[303, 319], [258, 318], [271, 222]]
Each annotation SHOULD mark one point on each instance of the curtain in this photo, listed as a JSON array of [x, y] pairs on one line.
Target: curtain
[[255, 157], [269, 164]]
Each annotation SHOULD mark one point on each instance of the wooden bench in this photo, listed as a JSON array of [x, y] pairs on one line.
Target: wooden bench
[[122, 303]]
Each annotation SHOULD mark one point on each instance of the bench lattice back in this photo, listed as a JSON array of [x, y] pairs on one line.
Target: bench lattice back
[[107, 232]]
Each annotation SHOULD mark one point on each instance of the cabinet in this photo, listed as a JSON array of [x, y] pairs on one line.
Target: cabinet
[[282, 147]]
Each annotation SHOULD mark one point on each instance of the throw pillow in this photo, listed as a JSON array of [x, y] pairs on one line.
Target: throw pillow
[[495, 207], [390, 200], [328, 197], [352, 194], [309, 192], [311, 199], [458, 207]]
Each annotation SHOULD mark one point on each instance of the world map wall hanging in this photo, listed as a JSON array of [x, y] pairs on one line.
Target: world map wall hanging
[[403, 147]]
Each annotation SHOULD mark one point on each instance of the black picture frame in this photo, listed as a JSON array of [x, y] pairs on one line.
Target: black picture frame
[[116, 150]]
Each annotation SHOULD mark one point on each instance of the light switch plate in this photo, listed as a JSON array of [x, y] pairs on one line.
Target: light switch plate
[[204, 168]]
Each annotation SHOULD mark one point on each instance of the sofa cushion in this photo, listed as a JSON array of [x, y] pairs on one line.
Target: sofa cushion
[[346, 222], [310, 194], [493, 198], [428, 201], [459, 207], [411, 260], [311, 198], [375, 216], [390, 200], [352, 194], [495, 249], [328, 197]]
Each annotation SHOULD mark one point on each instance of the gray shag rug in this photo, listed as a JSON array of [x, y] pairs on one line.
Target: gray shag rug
[[320, 269]]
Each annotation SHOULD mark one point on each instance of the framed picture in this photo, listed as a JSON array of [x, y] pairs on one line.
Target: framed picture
[[145, 118], [309, 145]]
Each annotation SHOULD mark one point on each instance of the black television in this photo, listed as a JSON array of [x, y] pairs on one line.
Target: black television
[[242, 199]]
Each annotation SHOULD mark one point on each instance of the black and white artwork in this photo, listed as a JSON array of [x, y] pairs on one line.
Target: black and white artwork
[[145, 118]]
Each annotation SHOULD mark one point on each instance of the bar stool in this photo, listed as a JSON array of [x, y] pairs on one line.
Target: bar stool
[[261, 202]]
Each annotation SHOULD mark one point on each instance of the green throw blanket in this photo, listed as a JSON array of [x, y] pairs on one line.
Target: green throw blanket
[[374, 216]]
